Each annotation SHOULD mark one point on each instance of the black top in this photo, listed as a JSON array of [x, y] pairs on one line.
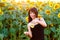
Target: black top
[[37, 32]]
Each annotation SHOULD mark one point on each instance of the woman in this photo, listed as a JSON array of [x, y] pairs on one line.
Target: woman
[[35, 26]]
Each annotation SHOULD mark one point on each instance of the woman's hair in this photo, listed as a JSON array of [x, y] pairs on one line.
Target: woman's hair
[[34, 10]]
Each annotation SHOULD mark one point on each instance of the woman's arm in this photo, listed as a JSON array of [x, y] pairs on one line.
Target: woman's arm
[[42, 22], [29, 33]]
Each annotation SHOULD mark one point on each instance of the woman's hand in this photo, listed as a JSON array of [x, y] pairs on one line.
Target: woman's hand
[[25, 33], [28, 34], [41, 21], [36, 20]]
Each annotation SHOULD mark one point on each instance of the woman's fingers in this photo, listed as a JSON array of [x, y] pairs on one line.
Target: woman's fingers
[[26, 33]]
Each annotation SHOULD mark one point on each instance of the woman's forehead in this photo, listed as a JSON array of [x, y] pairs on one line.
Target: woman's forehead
[[31, 12]]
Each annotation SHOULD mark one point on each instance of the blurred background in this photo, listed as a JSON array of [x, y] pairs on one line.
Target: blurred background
[[14, 18]]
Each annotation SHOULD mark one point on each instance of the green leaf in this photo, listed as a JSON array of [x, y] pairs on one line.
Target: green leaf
[[2, 17], [47, 31], [1, 36], [48, 22], [1, 25], [12, 31], [45, 38], [13, 16], [55, 35], [53, 29], [5, 32]]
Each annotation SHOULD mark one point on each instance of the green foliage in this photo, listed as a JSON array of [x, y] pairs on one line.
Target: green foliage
[[13, 24]]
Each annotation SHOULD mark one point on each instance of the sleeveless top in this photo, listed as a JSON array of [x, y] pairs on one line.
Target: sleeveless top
[[37, 32]]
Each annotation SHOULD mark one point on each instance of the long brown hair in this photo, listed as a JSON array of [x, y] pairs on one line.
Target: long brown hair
[[32, 10]]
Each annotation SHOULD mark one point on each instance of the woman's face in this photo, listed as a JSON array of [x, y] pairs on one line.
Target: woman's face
[[32, 15]]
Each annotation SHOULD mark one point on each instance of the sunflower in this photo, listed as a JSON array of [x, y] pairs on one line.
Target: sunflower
[[39, 16], [39, 3], [51, 24], [1, 12], [47, 12], [32, 26], [11, 8], [56, 6], [20, 7], [51, 4], [58, 15], [28, 1], [40, 9], [26, 19], [27, 8], [31, 5], [3, 0], [14, 3], [2, 4], [43, 4]]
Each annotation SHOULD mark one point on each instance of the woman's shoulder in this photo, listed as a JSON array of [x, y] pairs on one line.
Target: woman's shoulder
[[29, 24]]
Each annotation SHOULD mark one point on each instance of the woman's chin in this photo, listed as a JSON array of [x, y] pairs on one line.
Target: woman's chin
[[33, 18]]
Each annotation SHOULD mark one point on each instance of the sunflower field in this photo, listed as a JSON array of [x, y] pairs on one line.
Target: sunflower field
[[14, 19]]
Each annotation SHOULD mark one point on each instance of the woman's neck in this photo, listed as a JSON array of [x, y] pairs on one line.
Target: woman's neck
[[33, 18]]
